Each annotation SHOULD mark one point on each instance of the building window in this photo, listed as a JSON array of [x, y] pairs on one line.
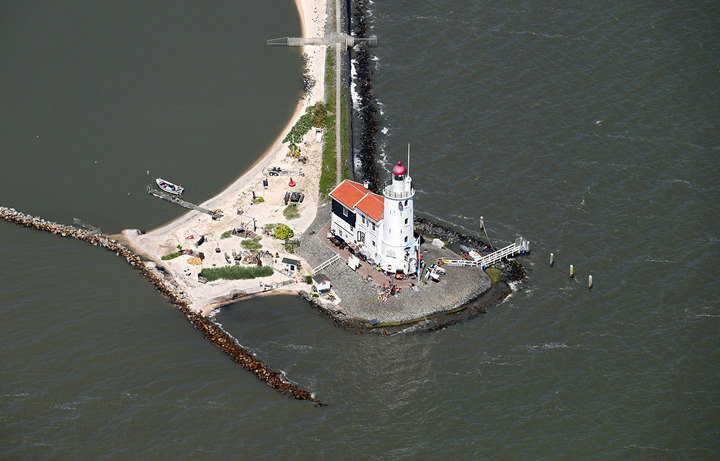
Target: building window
[[363, 220], [361, 237], [406, 220], [405, 239], [373, 227], [406, 202], [373, 242], [345, 212]]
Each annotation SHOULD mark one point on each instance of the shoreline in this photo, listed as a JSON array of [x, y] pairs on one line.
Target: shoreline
[[204, 241], [237, 196], [276, 143]]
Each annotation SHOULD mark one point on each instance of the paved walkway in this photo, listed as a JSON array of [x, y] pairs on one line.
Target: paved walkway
[[359, 298], [338, 105]]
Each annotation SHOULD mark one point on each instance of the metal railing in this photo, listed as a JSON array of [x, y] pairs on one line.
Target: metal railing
[[388, 192], [325, 264], [521, 246], [330, 39]]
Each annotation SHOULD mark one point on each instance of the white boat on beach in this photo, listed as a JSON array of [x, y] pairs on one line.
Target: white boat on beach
[[169, 187]]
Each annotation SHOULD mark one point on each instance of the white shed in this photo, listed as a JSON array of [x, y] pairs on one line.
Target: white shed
[[321, 283], [290, 265]]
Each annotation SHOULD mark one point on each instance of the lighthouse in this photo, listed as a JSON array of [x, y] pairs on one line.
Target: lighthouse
[[398, 246]]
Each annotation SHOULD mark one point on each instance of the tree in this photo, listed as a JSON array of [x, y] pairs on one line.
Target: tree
[[319, 114], [283, 232]]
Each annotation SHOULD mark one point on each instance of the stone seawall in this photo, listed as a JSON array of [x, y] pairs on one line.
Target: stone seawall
[[209, 329]]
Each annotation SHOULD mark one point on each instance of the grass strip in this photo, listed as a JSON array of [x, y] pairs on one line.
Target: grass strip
[[171, 256], [291, 212], [252, 244]]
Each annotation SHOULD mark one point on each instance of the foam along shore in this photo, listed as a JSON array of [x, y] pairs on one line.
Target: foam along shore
[[186, 230], [210, 330]]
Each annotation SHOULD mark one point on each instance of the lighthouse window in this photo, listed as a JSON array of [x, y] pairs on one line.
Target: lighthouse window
[[406, 220], [405, 239], [406, 202]]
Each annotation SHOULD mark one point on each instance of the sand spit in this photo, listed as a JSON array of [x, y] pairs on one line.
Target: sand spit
[[209, 329], [241, 204]]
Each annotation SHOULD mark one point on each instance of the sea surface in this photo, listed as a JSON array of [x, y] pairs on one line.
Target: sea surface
[[589, 128]]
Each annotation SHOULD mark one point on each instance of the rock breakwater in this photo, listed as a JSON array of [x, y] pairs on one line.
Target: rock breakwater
[[209, 329], [368, 106]]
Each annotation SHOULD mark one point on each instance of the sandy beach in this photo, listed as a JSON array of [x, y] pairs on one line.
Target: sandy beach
[[236, 203]]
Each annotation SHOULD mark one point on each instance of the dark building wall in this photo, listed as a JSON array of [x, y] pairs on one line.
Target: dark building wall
[[337, 209]]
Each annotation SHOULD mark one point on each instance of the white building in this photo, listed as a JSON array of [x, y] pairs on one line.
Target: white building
[[290, 265], [379, 227], [321, 282]]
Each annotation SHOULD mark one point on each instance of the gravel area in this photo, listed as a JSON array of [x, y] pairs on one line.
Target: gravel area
[[359, 298]]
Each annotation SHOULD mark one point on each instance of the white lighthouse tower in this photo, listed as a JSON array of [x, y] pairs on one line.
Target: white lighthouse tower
[[397, 242]]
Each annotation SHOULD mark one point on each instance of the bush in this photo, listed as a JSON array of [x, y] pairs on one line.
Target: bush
[[226, 234], [291, 212], [283, 232], [301, 127], [236, 272], [308, 280], [171, 256], [251, 244]]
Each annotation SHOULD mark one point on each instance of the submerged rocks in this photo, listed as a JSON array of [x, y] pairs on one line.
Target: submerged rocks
[[210, 330], [429, 228]]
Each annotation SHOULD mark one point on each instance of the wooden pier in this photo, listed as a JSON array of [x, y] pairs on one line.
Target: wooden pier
[[335, 38], [178, 201]]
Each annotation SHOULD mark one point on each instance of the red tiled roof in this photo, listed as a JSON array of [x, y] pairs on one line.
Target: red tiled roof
[[354, 195], [349, 193], [372, 205]]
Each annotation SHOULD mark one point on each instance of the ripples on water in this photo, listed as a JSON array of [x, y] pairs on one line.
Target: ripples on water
[[588, 128]]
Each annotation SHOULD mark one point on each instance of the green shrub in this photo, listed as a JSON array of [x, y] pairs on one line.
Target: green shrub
[[251, 244], [236, 272], [291, 212], [301, 127], [308, 280], [226, 234], [283, 232], [171, 256]]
